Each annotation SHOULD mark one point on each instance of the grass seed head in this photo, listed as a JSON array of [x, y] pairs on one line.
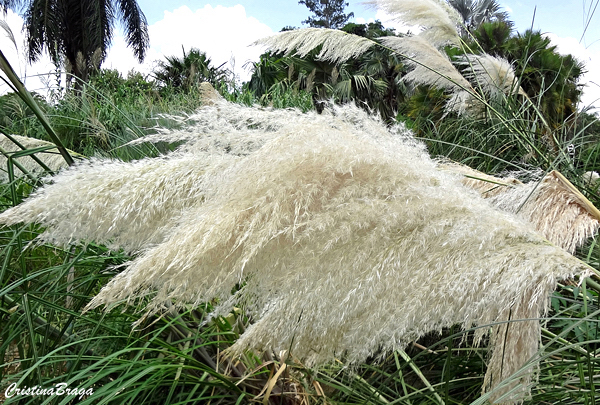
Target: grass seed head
[[347, 239]]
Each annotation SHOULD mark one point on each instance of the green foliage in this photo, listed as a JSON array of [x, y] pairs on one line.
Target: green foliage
[[372, 81], [327, 13], [184, 73]]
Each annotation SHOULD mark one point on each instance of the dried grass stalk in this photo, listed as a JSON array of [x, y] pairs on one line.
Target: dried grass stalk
[[348, 239], [556, 208], [487, 185]]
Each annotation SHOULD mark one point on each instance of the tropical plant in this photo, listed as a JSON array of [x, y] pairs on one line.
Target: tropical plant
[[476, 12], [550, 79], [79, 32], [327, 13], [183, 73]]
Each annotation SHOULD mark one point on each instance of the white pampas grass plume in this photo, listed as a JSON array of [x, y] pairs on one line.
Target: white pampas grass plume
[[429, 66], [494, 76], [51, 157], [346, 238], [552, 204], [437, 19], [126, 206], [337, 46], [555, 207]]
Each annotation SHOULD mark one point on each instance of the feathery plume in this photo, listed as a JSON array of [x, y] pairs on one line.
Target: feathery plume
[[348, 239], [437, 19], [555, 207], [494, 76], [429, 65], [127, 206], [337, 46], [51, 157], [551, 204]]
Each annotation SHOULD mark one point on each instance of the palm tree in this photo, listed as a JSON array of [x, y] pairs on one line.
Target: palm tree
[[551, 79], [79, 32], [476, 12], [184, 72]]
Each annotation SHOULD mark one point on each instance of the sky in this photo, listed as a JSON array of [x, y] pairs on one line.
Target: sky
[[226, 29]]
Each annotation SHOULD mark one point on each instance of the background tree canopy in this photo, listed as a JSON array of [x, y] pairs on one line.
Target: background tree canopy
[[327, 13], [78, 33]]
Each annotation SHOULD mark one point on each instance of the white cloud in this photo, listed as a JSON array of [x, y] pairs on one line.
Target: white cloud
[[224, 33], [591, 58], [361, 20], [390, 21]]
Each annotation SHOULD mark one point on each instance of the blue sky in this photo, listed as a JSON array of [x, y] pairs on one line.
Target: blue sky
[[562, 17], [225, 29], [562, 20]]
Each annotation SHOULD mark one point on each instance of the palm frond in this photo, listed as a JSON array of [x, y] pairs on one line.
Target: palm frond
[[136, 27]]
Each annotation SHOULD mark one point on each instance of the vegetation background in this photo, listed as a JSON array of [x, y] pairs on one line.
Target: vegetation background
[[45, 339]]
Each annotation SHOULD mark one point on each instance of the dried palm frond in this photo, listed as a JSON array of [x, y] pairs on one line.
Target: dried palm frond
[[51, 157], [344, 236], [337, 46], [437, 18]]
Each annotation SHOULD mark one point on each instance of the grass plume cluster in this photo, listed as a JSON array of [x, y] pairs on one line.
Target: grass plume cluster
[[341, 237], [437, 20], [554, 206], [48, 155], [485, 78]]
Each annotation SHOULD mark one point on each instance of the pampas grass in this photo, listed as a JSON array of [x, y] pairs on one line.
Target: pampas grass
[[50, 157], [429, 65], [550, 203], [340, 237], [437, 19], [556, 208], [337, 46], [494, 76]]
